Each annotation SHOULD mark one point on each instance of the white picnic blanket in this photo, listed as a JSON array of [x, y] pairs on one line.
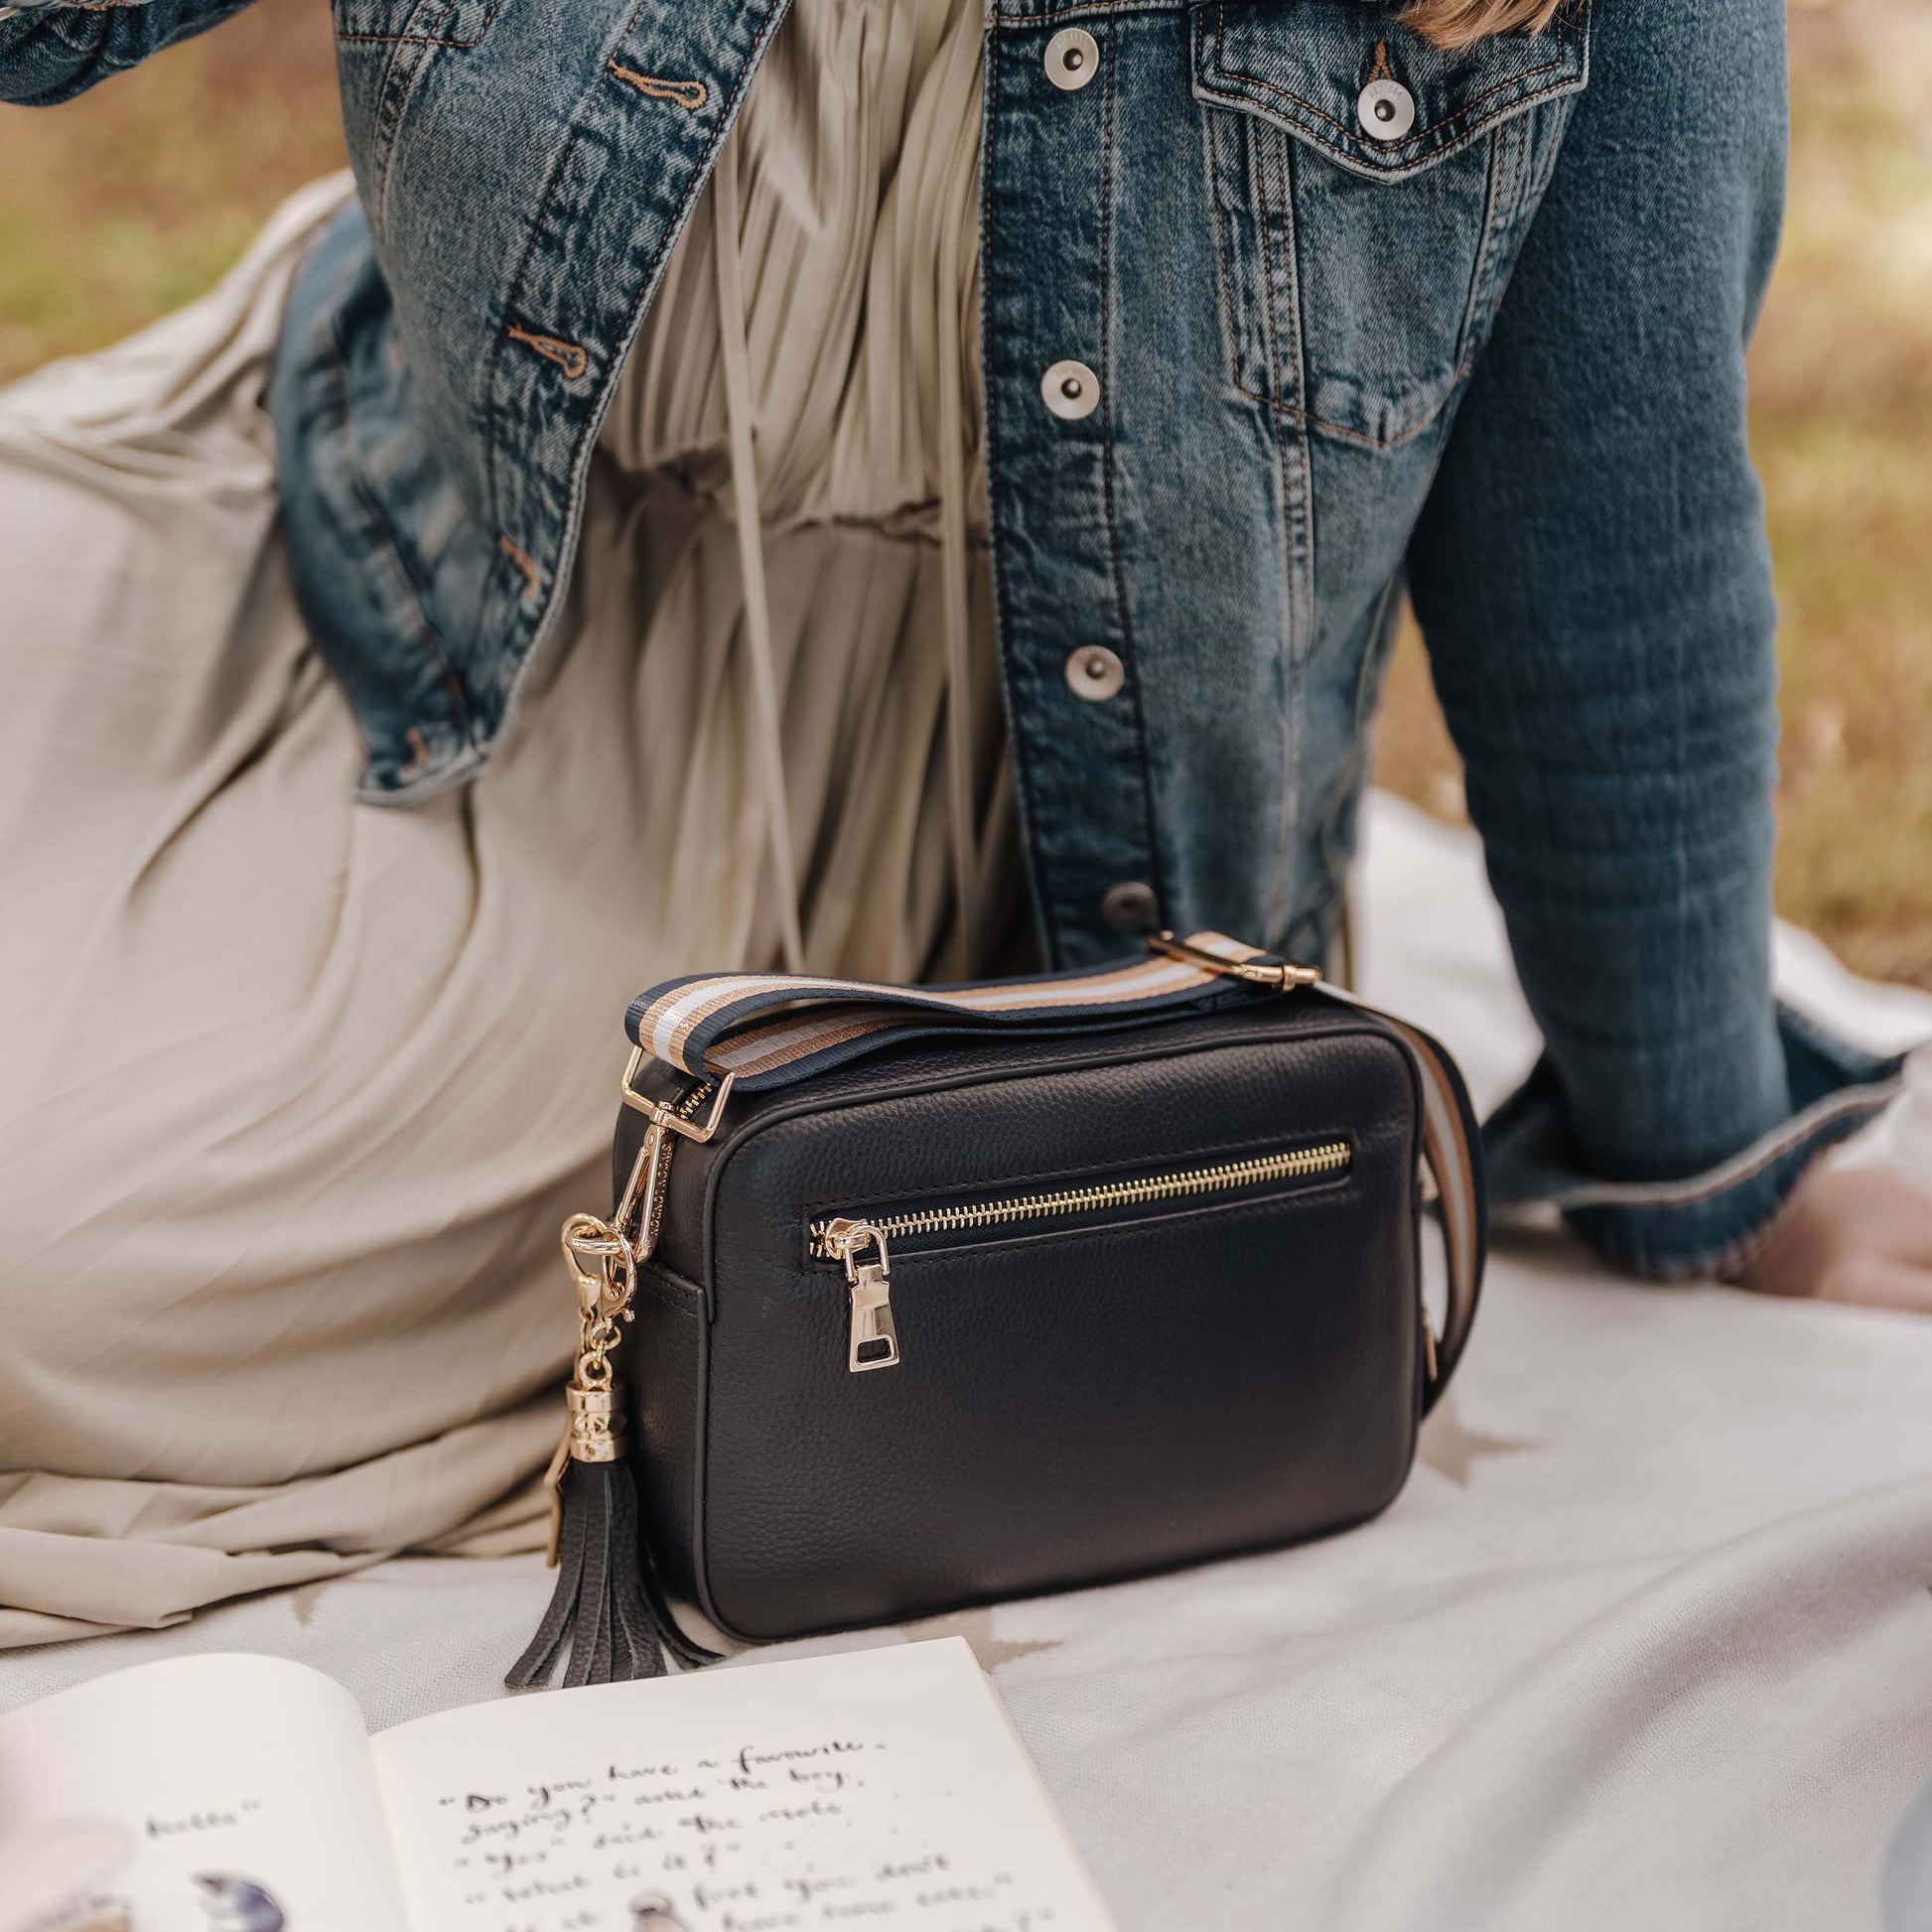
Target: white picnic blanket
[[1646, 1641]]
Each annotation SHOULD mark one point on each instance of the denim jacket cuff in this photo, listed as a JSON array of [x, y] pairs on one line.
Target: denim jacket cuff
[[1703, 1224]]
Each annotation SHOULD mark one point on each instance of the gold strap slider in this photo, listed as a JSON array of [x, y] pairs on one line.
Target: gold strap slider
[[1279, 975]]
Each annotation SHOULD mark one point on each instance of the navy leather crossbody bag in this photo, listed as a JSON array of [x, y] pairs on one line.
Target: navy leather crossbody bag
[[916, 1297]]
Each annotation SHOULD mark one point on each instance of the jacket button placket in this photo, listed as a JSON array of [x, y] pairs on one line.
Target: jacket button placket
[[1047, 262]]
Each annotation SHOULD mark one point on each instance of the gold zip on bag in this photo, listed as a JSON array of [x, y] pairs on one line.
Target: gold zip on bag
[[874, 1341]]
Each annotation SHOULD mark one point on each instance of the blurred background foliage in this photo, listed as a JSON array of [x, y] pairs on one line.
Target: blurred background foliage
[[132, 200]]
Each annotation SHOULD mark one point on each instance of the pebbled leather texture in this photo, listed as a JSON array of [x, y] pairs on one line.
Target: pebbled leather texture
[[664, 1354], [1076, 1401]]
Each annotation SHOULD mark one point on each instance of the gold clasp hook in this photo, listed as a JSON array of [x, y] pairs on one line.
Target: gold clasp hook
[[586, 1236], [642, 1204]]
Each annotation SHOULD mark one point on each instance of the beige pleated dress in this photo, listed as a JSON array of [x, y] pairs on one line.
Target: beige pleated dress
[[295, 1093]]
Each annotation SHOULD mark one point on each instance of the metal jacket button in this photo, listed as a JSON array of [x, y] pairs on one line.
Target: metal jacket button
[[1072, 59], [1130, 907], [1386, 110], [1070, 390], [1093, 672]]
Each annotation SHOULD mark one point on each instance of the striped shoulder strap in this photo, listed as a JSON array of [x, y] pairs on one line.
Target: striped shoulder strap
[[771, 1029]]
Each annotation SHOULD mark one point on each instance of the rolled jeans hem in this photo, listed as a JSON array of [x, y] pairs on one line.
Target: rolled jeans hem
[[1705, 1223]]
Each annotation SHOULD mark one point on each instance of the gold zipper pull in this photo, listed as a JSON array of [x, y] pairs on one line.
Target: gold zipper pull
[[874, 1335]]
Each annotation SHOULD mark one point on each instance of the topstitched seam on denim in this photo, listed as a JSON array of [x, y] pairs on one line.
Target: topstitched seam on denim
[[1666, 1197], [1466, 110], [1294, 504], [1302, 582], [1729, 1261], [401, 73], [521, 277], [433, 38], [1270, 322], [1466, 353], [439, 28], [390, 549], [1222, 246], [1486, 246], [1502, 229], [1453, 137], [1361, 437], [1114, 557], [1540, 159], [584, 112], [1096, 8], [1502, 236], [1521, 129], [1212, 161], [1293, 377], [1044, 911], [577, 463], [384, 126]]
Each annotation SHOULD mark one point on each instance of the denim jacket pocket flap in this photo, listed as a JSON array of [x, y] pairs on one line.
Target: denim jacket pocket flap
[[1330, 70]]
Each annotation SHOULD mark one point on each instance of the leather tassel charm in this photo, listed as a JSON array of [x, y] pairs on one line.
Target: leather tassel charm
[[607, 1605]]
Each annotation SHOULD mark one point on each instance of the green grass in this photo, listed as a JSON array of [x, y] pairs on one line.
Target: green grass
[[125, 203], [1841, 427], [128, 201], [1850, 514], [92, 287]]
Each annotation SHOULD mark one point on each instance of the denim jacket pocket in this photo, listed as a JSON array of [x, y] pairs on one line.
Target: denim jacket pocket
[[1371, 191]]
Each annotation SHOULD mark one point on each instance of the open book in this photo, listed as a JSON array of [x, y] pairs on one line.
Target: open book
[[875, 1788]]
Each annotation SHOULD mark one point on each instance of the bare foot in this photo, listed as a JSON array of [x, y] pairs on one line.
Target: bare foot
[[1851, 1234]]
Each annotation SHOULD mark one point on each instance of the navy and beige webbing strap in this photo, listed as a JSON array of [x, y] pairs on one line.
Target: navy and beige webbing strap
[[713, 1025]]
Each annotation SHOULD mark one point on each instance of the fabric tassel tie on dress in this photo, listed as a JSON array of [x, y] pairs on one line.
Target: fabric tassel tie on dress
[[607, 1607]]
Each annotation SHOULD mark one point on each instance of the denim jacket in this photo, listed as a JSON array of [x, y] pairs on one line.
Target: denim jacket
[[1283, 308]]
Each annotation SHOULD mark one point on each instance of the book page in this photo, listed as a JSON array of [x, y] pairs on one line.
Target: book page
[[241, 1787], [875, 1788]]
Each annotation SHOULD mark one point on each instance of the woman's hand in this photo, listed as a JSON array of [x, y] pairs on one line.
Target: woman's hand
[[1851, 1234]]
